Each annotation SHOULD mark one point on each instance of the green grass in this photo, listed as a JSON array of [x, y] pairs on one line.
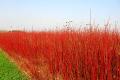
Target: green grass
[[8, 70]]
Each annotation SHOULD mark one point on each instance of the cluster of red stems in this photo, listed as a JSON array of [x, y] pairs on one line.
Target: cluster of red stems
[[90, 54]]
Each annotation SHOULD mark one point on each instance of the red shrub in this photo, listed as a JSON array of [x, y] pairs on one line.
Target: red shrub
[[83, 55]]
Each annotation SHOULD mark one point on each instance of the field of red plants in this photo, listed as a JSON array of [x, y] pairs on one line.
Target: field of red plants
[[90, 54]]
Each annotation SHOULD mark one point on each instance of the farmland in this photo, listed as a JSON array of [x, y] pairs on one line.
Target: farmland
[[91, 54]]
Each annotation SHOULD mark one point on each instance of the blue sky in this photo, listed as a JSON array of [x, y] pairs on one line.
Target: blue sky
[[56, 12]]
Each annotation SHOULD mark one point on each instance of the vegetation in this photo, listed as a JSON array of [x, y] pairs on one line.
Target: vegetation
[[91, 54], [8, 70]]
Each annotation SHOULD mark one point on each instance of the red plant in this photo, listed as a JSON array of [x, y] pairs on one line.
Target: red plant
[[68, 55]]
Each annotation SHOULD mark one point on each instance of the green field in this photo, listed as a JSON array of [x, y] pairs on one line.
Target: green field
[[8, 70]]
